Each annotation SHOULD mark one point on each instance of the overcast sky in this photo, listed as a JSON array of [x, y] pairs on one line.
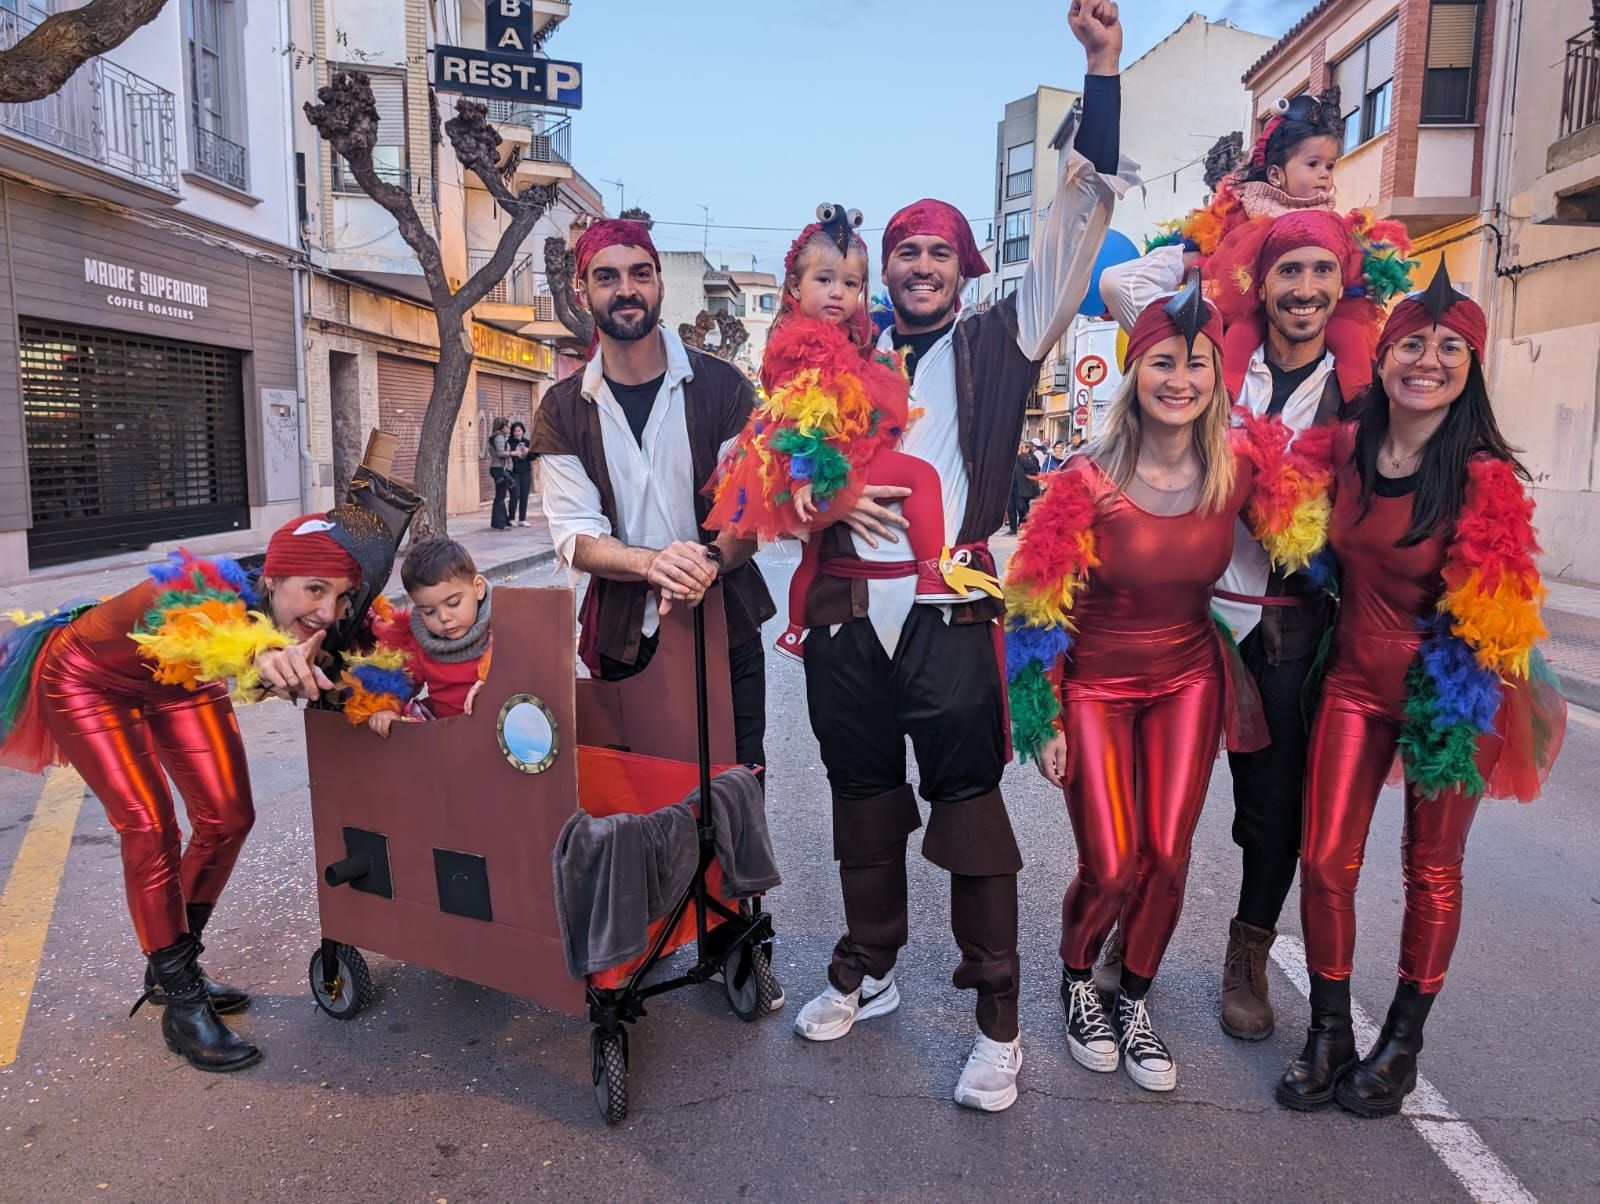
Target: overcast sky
[[759, 109]]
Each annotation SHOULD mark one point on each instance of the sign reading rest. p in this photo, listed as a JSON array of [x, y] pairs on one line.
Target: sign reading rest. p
[[507, 76]]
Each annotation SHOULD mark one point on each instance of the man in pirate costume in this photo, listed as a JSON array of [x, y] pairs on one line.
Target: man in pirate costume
[[626, 446], [879, 668], [1306, 260]]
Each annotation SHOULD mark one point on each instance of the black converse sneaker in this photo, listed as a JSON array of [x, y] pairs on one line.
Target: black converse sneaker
[[1090, 1038], [1148, 1062]]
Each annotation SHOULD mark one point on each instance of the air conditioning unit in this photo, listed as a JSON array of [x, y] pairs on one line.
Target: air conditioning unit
[[1062, 376]]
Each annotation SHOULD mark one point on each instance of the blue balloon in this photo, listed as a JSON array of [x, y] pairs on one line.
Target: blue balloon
[[1117, 248]]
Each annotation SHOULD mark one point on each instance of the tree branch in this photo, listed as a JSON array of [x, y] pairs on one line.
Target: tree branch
[[46, 58], [559, 266]]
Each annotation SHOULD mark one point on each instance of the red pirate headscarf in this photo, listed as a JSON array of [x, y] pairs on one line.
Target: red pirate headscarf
[[1311, 228], [303, 547], [942, 220], [612, 232], [1438, 305], [1186, 313]]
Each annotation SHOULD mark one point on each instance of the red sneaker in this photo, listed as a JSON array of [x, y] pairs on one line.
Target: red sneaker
[[791, 643]]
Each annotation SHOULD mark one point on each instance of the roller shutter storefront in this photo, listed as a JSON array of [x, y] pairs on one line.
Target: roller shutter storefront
[[131, 440], [403, 390], [500, 397]]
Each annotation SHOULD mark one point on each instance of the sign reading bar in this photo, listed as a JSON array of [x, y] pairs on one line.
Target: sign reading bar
[[494, 344], [508, 26], [508, 77]]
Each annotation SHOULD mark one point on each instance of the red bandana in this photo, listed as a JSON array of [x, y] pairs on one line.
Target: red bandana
[[1155, 325], [1464, 317], [1311, 228], [302, 547], [941, 220], [612, 232]]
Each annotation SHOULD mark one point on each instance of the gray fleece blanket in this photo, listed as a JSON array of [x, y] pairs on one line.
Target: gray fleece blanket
[[615, 875]]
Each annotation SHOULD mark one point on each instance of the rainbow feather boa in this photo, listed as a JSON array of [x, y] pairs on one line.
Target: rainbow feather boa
[[1287, 510], [1481, 637], [201, 626]]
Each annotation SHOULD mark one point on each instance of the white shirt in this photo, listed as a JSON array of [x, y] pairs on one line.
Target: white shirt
[[652, 479], [1052, 285], [1127, 288]]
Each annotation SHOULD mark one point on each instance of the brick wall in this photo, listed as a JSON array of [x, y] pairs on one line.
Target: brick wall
[[1410, 61], [1319, 67], [1481, 101]]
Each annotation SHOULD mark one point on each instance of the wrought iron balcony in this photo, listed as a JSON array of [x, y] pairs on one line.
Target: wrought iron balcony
[[550, 132], [519, 286], [1580, 84], [219, 158], [104, 114]]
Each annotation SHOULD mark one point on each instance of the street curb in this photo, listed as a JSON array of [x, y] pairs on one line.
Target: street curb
[[505, 569], [1579, 691]]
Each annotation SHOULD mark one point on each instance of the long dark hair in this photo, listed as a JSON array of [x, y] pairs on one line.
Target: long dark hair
[[1308, 117], [1468, 430]]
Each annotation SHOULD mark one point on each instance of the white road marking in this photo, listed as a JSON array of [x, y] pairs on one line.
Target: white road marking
[[1457, 1144], [1587, 718]]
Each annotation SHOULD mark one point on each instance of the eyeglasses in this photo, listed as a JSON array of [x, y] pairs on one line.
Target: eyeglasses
[[1453, 352]]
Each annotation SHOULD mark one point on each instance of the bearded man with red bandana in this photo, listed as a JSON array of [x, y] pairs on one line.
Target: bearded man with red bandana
[[878, 668]]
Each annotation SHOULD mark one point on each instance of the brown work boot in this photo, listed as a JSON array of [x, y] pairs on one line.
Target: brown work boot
[[1108, 974], [1246, 1010]]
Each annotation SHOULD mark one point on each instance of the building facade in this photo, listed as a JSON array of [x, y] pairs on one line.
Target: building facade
[[149, 370], [1477, 124], [760, 294]]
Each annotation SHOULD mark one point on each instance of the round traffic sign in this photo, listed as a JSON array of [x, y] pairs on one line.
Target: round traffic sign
[[1091, 370]]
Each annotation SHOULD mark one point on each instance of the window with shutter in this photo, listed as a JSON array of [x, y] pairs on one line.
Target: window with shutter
[[1366, 86], [1449, 81], [389, 155]]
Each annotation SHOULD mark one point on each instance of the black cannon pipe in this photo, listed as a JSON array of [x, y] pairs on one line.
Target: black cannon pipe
[[351, 869]]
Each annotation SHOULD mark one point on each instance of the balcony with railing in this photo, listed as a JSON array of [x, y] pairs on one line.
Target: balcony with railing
[[220, 158], [520, 299], [1568, 192], [104, 115]]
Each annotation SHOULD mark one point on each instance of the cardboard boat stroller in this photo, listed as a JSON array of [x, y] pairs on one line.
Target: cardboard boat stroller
[[435, 846]]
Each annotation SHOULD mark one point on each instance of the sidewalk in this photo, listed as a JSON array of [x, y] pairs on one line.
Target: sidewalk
[[1572, 614], [498, 554]]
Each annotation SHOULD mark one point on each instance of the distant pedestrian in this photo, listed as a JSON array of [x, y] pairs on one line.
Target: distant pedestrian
[[1024, 486], [505, 484], [521, 471]]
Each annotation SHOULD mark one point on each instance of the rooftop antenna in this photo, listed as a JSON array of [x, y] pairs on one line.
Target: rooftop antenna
[[622, 193]]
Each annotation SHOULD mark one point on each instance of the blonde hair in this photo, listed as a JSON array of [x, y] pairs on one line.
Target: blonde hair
[[1117, 451]]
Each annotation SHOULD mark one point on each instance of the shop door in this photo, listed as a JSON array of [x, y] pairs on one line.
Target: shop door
[[403, 390], [499, 397], [131, 441]]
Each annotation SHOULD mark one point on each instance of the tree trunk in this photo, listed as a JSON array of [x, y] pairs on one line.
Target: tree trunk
[[438, 426], [46, 58]]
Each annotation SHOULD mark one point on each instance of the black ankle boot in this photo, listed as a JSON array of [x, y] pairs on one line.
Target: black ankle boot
[[224, 999], [1381, 1081], [190, 1024], [1330, 1049]]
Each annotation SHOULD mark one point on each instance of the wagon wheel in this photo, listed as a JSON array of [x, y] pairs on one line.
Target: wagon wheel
[[748, 981], [347, 988], [608, 1061]]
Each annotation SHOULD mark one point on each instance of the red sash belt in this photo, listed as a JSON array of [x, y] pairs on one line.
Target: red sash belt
[[1272, 600]]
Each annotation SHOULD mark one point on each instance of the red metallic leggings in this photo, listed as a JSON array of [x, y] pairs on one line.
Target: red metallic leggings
[[923, 508], [120, 737], [1137, 770], [1352, 748]]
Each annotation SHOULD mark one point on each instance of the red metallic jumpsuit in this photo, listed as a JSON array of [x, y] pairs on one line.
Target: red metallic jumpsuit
[[1384, 591], [1142, 701], [120, 729]]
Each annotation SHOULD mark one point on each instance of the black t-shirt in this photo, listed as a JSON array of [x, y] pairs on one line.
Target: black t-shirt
[[1286, 380], [637, 401], [1396, 486], [916, 345]]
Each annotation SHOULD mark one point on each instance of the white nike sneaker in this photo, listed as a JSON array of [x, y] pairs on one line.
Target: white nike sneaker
[[834, 1013], [988, 1082]]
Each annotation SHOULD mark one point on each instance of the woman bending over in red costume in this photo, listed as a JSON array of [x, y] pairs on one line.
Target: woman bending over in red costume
[[134, 688]]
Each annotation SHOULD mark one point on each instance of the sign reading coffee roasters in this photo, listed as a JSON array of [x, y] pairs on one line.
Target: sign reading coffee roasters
[[145, 292]]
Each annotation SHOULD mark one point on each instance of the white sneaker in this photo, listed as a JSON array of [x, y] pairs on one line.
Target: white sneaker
[[988, 1082], [1090, 1038], [1144, 1054], [834, 1013]]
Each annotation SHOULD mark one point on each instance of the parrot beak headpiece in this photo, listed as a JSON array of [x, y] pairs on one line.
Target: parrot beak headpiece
[[1188, 312], [839, 223]]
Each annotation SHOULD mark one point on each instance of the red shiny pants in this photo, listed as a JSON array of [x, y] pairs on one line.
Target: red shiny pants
[[1352, 748], [1137, 771], [120, 734]]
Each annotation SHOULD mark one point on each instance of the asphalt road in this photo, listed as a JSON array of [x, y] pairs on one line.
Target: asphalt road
[[445, 1091]]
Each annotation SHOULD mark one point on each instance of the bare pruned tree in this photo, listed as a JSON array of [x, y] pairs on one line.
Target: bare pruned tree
[[45, 58], [347, 119]]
